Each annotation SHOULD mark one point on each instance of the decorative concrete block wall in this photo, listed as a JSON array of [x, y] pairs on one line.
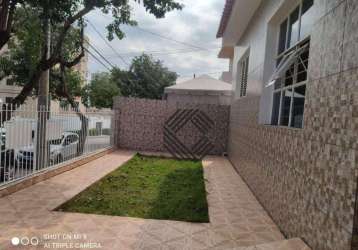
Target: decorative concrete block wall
[[140, 124], [307, 178]]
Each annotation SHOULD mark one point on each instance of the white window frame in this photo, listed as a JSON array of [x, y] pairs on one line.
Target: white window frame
[[290, 56], [292, 86], [300, 39]]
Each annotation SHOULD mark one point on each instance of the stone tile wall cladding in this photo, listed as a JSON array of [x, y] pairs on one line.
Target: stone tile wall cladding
[[140, 124], [307, 178]]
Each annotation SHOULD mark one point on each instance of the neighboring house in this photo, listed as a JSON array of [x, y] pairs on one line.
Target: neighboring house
[[201, 90], [294, 118]]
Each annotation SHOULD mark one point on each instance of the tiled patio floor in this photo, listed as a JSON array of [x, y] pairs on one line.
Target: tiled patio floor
[[236, 218]]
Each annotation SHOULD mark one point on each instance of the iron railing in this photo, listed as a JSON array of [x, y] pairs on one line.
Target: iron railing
[[36, 138]]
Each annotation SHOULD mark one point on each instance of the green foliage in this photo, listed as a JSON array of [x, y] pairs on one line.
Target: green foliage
[[146, 78], [25, 49], [100, 92], [60, 11], [74, 83], [147, 187], [27, 61]]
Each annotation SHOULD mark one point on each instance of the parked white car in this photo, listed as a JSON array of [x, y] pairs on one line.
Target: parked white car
[[64, 148], [60, 150]]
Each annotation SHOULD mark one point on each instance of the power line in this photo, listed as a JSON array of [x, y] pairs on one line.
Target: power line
[[169, 39], [157, 51], [162, 36], [108, 44], [115, 51], [98, 60], [143, 70], [100, 54], [169, 52], [146, 73]]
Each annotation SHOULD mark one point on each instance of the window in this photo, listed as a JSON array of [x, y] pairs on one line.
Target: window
[[298, 106], [74, 138], [307, 18], [290, 88], [10, 82], [244, 68], [293, 28], [290, 77], [70, 139], [64, 105], [296, 27], [282, 38], [8, 99]]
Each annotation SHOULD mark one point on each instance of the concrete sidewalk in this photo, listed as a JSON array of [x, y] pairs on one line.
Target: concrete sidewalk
[[237, 220]]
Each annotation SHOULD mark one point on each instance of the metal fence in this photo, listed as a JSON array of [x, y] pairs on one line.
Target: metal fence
[[33, 139]]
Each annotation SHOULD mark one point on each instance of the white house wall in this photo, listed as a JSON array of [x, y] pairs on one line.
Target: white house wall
[[261, 39]]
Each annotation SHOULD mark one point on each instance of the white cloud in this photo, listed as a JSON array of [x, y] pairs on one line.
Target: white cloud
[[196, 24]]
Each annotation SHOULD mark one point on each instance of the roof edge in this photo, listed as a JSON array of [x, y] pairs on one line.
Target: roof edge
[[198, 91], [225, 17]]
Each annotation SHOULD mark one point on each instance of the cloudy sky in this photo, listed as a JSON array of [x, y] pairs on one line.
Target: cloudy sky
[[195, 26]]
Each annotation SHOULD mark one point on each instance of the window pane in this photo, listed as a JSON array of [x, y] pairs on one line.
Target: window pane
[[307, 18], [293, 33], [298, 106], [285, 107], [282, 38], [10, 82], [276, 108], [8, 99], [289, 75], [302, 66], [278, 84]]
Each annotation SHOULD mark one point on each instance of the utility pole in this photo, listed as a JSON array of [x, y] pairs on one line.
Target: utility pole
[[43, 106]]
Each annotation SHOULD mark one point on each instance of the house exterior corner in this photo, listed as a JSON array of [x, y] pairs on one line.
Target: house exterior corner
[[293, 133]]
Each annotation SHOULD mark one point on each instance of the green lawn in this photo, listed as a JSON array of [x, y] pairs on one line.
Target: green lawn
[[147, 187]]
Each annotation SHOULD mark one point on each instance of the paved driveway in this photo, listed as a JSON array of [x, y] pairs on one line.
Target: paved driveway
[[236, 218]]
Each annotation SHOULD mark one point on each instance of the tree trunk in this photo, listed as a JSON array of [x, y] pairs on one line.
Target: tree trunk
[[43, 105], [7, 11], [4, 11]]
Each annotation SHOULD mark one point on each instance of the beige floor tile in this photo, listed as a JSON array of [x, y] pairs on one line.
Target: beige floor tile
[[237, 221]]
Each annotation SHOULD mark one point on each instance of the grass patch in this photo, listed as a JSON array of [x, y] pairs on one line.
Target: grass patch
[[147, 187]]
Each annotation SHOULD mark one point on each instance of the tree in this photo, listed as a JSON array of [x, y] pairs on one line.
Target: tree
[[101, 90], [146, 78], [24, 54], [64, 15]]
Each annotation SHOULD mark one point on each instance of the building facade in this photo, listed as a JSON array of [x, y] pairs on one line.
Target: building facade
[[293, 131]]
